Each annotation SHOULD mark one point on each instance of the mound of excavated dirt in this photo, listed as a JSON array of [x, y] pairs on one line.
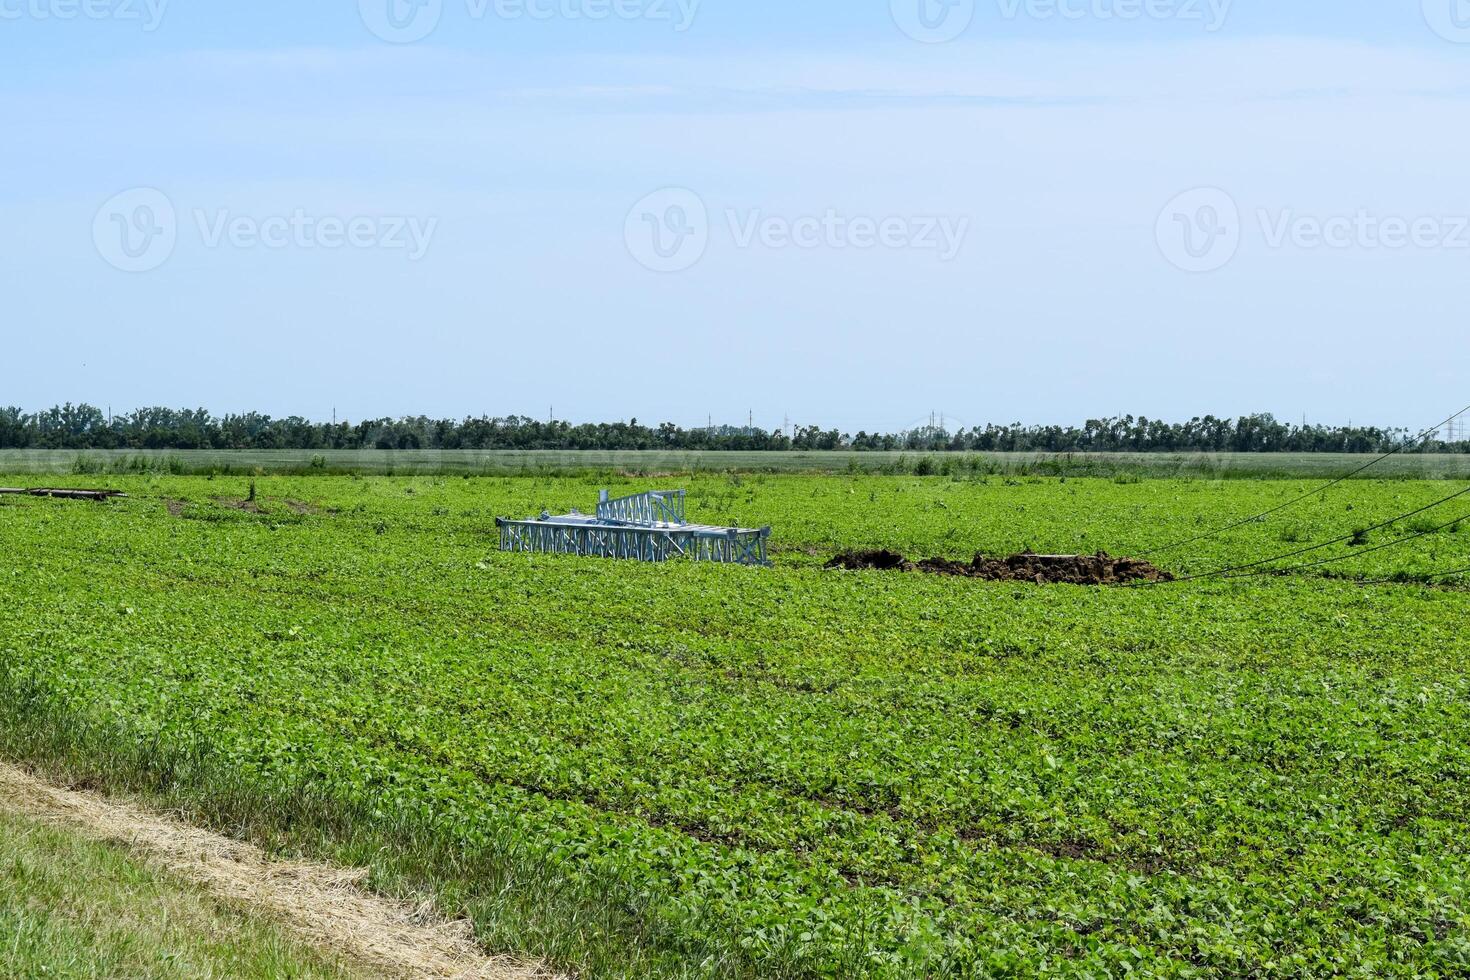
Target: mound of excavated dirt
[[867, 561], [1099, 569]]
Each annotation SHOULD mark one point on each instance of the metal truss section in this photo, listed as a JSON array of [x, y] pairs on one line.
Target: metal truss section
[[654, 507], [645, 527]]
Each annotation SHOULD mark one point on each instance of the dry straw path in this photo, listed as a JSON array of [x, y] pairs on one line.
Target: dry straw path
[[324, 906]]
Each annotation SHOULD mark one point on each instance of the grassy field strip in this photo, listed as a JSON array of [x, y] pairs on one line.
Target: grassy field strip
[[656, 463], [72, 907], [171, 919]]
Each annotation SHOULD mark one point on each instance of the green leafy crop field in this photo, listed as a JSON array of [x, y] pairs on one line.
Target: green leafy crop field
[[714, 771]]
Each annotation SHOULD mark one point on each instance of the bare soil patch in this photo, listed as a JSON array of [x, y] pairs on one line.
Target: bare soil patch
[[234, 503], [325, 906], [1099, 569]]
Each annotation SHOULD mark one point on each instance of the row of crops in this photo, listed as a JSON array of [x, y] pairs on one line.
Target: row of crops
[[687, 770]]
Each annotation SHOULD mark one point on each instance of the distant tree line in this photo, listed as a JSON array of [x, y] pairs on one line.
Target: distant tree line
[[87, 427]]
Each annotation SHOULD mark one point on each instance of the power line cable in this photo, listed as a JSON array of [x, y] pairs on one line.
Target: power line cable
[[1356, 554], [1423, 437], [1395, 580], [1326, 544]]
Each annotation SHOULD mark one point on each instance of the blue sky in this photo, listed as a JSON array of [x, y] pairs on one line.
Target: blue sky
[[1036, 210]]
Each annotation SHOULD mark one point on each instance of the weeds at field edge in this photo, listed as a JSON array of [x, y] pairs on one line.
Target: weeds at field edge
[[502, 887]]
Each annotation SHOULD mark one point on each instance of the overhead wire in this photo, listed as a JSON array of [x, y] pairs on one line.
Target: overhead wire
[[1420, 439], [1400, 580], [1227, 571], [1356, 554]]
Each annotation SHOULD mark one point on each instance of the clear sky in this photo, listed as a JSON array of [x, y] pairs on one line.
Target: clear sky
[[851, 212]]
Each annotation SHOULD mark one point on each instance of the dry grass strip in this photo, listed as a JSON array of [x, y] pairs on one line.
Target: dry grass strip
[[324, 906]]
